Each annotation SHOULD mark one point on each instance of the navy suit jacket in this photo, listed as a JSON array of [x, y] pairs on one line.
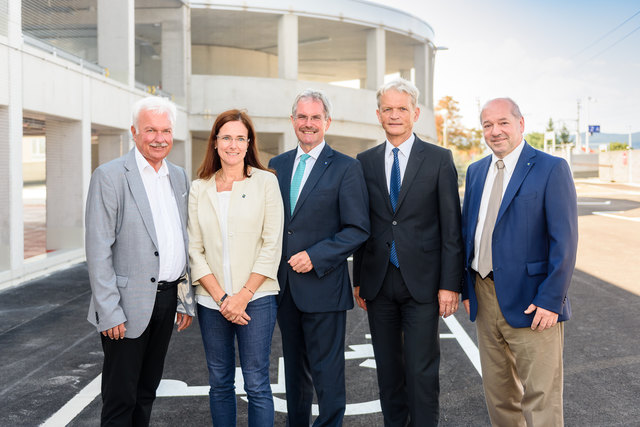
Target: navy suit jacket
[[330, 222], [534, 240]]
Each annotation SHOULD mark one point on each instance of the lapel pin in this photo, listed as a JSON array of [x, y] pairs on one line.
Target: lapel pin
[[244, 195], [528, 164]]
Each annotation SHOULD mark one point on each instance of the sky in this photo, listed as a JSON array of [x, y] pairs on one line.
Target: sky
[[544, 54]]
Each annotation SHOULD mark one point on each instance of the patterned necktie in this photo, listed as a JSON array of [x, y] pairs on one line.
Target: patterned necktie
[[394, 191], [296, 181], [485, 259]]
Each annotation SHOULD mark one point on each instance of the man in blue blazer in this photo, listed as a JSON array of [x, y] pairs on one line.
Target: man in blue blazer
[[519, 225], [326, 220]]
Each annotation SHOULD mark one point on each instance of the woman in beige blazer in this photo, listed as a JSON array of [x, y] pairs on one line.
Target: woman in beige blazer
[[235, 239]]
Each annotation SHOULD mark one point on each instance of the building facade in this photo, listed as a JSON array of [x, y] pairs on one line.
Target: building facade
[[71, 69]]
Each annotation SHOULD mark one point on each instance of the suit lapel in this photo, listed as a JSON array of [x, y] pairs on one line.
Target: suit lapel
[[285, 174], [321, 165], [416, 157], [178, 192], [140, 195], [524, 165], [212, 194], [380, 174], [476, 184]]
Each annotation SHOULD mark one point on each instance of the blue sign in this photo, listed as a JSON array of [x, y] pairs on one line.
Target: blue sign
[[594, 129]]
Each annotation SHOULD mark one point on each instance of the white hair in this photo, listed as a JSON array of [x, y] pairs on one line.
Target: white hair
[[314, 95], [400, 85], [156, 104]]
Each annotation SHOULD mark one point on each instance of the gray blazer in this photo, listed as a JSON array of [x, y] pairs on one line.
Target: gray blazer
[[122, 249]]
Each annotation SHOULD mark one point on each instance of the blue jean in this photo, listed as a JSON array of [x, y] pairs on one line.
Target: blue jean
[[254, 347]]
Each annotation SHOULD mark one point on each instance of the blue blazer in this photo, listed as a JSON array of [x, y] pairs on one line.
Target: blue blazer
[[330, 221], [534, 240]]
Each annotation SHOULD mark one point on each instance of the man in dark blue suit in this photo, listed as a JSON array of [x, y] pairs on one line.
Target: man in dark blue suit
[[520, 230], [326, 220]]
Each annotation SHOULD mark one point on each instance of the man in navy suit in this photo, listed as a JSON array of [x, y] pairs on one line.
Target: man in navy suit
[[410, 269], [326, 220], [520, 230]]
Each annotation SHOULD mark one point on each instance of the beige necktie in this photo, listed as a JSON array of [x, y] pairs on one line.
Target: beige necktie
[[485, 261]]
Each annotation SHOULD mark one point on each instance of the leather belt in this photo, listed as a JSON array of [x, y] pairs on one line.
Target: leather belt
[[164, 285]]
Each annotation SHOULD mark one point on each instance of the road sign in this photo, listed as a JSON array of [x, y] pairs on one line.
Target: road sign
[[594, 128]]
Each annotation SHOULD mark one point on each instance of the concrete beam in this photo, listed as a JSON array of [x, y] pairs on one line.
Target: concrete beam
[[423, 58], [288, 47], [376, 61], [116, 39]]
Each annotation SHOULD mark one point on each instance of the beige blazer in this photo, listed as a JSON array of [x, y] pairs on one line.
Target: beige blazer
[[255, 223]]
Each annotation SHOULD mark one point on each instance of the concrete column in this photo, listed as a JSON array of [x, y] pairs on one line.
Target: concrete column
[[405, 74], [376, 62], [423, 59], [65, 177], [112, 146], [287, 141], [178, 154], [288, 47], [116, 39], [176, 53], [11, 218]]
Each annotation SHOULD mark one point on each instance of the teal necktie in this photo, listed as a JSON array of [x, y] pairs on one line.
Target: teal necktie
[[296, 181]]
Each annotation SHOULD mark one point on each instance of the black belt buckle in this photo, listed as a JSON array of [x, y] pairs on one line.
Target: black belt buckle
[[164, 286]]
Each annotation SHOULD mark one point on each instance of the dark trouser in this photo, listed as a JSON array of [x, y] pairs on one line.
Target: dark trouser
[[407, 351], [313, 349], [132, 368]]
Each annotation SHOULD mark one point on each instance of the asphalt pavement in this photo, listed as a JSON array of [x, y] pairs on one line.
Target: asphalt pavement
[[50, 358]]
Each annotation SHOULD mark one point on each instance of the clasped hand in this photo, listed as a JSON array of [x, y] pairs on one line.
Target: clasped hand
[[233, 309]]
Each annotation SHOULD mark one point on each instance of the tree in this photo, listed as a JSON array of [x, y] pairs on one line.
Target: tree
[[448, 109], [535, 139], [550, 127], [564, 137], [618, 146]]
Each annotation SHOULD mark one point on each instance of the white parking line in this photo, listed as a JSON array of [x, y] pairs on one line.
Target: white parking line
[[169, 388], [611, 214], [606, 203]]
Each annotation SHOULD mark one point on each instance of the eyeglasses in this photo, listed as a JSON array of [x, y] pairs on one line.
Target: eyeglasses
[[227, 139], [314, 119]]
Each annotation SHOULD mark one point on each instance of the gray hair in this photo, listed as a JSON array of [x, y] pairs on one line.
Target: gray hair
[[515, 110], [313, 95], [155, 104], [399, 85]]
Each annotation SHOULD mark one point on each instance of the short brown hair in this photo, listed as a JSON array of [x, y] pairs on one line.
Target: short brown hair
[[211, 162]]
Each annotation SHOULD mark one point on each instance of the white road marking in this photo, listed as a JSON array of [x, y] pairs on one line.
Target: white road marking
[[172, 388], [73, 407], [611, 214], [608, 202]]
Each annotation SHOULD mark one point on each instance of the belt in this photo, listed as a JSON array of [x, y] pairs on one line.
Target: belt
[[163, 285]]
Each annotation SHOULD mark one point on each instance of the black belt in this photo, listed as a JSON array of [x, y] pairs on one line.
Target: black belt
[[163, 285]]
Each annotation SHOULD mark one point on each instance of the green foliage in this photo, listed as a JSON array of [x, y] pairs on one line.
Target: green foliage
[[550, 127], [535, 139], [564, 137], [618, 146]]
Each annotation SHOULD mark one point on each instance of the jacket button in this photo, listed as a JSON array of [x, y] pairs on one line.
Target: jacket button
[[156, 253], [289, 232], [394, 223], [153, 280]]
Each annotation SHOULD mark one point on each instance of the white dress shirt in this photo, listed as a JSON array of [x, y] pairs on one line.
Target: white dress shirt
[[510, 161], [403, 158], [314, 153], [166, 219]]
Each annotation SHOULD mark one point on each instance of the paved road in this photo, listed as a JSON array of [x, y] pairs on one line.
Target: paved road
[[50, 356]]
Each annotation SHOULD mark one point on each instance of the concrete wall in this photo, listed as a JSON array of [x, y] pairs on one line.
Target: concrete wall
[[620, 166], [220, 60]]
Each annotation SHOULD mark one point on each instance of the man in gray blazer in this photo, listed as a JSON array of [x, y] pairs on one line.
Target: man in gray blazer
[[136, 245]]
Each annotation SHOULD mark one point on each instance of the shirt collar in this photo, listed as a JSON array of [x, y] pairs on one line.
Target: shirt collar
[[405, 147], [511, 159], [143, 164], [314, 152]]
